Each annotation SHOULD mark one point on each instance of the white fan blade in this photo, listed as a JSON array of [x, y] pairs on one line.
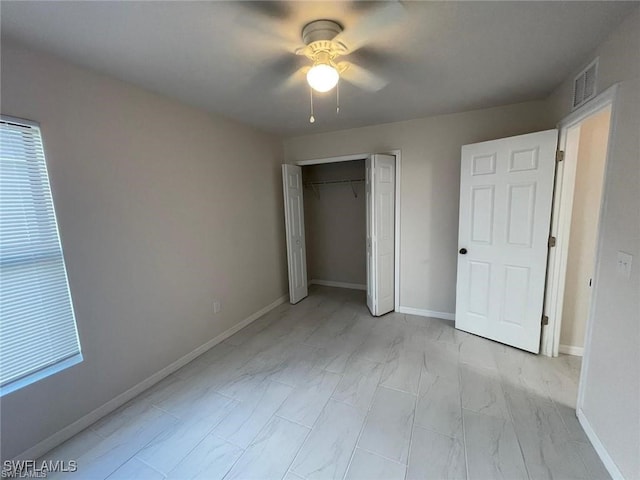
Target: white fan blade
[[271, 31], [363, 78], [371, 25], [295, 79], [274, 10]]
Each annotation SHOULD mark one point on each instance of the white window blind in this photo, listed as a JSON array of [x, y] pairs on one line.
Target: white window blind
[[38, 333]]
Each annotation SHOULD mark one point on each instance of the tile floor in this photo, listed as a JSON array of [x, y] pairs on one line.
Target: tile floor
[[322, 390]]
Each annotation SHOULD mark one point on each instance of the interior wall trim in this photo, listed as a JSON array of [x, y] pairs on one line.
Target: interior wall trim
[[571, 350], [330, 283], [602, 452], [69, 431], [426, 313]]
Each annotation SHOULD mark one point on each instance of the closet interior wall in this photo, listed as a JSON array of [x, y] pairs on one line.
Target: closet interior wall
[[335, 222]]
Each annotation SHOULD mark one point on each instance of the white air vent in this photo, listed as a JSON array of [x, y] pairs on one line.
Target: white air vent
[[584, 85]]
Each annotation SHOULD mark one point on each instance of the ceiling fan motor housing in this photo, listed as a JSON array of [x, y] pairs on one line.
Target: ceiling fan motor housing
[[320, 30]]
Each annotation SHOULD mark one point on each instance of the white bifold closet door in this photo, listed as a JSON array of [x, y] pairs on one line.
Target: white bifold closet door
[[380, 192], [506, 190], [294, 223]]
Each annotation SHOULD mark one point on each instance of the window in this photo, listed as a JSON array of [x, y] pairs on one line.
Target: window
[[38, 335]]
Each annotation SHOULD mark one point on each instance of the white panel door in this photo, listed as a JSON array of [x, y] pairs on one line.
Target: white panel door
[[380, 190], [371, 278], [294, 223], [506, 189]]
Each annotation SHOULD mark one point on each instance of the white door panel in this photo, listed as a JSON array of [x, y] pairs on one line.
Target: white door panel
[[294, 223], [380, 191], [371, 279], [506, 189], [384, 218]]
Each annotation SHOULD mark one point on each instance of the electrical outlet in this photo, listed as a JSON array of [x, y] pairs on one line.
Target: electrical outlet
[[217, 306], [624, 264]]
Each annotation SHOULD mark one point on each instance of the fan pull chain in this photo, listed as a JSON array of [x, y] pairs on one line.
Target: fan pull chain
[[312, 119], [338, 97]]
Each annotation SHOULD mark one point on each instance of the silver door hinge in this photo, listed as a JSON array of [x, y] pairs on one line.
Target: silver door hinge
[[552, 242], [559, 155], [545, 320]]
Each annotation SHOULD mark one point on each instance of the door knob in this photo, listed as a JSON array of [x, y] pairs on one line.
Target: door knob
[[463, 251]]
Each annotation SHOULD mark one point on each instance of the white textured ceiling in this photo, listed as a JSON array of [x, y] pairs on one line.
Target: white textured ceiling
[[232, 58]]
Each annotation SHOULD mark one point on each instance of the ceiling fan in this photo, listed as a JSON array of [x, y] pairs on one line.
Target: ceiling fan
[[324, 46], [330, 47]]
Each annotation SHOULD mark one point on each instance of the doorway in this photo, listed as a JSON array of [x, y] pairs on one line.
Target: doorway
[[348, 220], [578, 197], [335, 224], [590, 154]]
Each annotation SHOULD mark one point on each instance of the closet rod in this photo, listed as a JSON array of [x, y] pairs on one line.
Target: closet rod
[[313, 185], [329, 182]]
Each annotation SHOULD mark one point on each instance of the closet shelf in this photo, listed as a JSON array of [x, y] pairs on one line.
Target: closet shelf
[[351, 181]]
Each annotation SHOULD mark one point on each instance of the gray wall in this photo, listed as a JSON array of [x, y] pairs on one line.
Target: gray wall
[[430, 185], [335, 224], [612, 377], [161, 208]]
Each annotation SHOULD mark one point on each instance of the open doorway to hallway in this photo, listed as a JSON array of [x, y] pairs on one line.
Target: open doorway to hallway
[[581, 166], [587, 148]]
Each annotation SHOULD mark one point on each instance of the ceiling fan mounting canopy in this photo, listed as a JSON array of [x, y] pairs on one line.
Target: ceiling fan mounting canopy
[[320, 30], [318, 37]]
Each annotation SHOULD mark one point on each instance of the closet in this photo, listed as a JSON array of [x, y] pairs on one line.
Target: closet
[[340, 225], [335, 224]]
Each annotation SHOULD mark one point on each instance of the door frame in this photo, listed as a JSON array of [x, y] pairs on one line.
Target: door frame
[[362, 156], [561, 225]]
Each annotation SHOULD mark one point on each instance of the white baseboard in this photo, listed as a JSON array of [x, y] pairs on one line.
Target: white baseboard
[[571, 350], [329, 283], [69, 431], [426, 313], [608, 462]]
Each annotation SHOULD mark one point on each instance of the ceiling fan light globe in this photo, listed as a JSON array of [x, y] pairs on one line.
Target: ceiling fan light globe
[[322, 77]]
